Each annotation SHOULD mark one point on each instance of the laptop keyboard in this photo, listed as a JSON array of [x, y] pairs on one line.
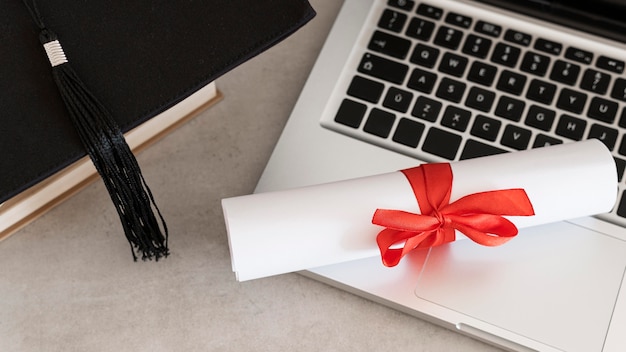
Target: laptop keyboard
[[438, 85]]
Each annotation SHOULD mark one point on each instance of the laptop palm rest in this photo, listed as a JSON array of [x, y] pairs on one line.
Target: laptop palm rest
[[556, 284]]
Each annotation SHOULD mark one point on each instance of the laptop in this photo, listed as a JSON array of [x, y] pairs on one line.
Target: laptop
[[401, 82]]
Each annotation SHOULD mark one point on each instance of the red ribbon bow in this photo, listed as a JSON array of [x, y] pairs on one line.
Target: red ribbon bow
[[477, 215]]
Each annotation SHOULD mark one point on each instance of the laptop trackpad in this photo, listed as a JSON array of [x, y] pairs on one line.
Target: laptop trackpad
[[556, 284]]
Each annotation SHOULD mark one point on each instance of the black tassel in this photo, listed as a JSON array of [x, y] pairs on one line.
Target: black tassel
[[146, 232]]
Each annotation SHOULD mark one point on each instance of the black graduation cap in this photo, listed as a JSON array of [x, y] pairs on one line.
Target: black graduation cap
[[108, 69]]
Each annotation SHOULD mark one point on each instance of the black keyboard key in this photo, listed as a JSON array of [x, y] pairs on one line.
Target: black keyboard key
[[430, 11], [453, 64], [516, 137], [426, 109], [422, 81], [448, 37], [571, 127], [456, 118], [621, 208], [420, 29], [534, 63], [408, 132], [458, 20], [565, 72], [509, 108], [365, 89], [571, 100], [388, 44], [606, 135], [602, 110], [451, 90], [518, 37], [505, 54], [621, 167], [486, 128], [579, 55], [595, 81], [382, 68], [480, 99], [548, 46], [424, 55], [487, 28], [541, 91], [622, 119], [511, 82], [379, 123], [545, 141], [392, 20], [350, 113], [482, 73], [622, 146], [619, 89], [406, 5], [442, 143], [398, 99], [477, 46], [609, 64], [540, 118], [474, 149]]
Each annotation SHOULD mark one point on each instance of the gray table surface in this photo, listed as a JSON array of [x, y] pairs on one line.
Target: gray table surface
[[68, 282]]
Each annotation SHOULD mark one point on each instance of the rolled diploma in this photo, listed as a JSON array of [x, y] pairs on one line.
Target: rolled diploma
[[286, 231]]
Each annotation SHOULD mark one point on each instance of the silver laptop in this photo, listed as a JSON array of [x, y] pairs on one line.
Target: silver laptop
[[399, 82]]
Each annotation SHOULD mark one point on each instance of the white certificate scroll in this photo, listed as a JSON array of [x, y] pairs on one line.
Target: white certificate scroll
[[279, 232]]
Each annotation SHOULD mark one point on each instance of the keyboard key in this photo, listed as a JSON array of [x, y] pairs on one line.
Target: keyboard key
[[621, 167], [621, 207], [487, 28], [545, 141], [511, 82], [458, 20], [424, 55], [534, 63], [548, 46], [442, 143], [398, 99], [609, 64], [448, 37], [456, 118], [606, 135], [571, 127], [565, 72], [480, 99], [420, 29], [579, 55], [474, 149], [619, 90], [541, 91], [388, 44], [602, 110], [509, 108], [451, 90], [408, 132], [505, 54], [571, 100], [486, 128], [402, 4], [595, 81], [518, 37], [350, 113], [430, 11], [392, 20], [482, 73], [366, 89], [477, 46], [453, 64], [540, 118], [516, 137], [622, 146], [382, 68], [379, 123], [426, 109], [422, 81], [622, 119]]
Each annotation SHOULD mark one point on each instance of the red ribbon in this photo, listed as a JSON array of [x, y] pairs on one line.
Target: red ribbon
[[477, 215]]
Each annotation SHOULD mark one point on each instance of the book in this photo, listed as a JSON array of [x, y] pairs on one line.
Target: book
[[141, 59]]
